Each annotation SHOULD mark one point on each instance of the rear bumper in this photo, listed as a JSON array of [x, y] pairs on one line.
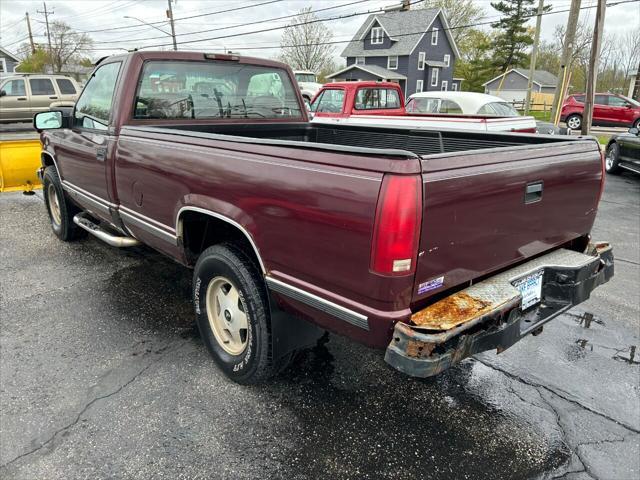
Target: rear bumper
[[496, 320]]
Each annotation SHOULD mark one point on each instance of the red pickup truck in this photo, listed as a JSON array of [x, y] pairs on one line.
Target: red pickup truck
[[369, 103], [431, 245]]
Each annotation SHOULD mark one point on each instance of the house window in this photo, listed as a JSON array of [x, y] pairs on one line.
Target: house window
[[454, 87], [445, 85], [434, 77], [447, 60], [376, 35], [418, 86], [392, 63], [359, 60], [434, 36], [421, 57]]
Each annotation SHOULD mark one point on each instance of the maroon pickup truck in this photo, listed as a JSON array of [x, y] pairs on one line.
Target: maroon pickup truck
[[431, 245]]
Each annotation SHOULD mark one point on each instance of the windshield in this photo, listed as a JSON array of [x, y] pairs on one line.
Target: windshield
[[306, 77], [633, 102], [196, 90], [502, 109]]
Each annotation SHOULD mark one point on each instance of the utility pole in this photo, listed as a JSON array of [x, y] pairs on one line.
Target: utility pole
[[46, 19], [567, 60], [173, 28], [592, 77], [33, 45], [534, 54], [636, 88]]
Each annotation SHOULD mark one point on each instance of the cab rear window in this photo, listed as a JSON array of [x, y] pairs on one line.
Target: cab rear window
[[377, 99]]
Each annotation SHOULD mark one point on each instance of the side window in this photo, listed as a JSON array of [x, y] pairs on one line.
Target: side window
[[41, 86], [65, 86], [487, 110], [377, 98], [330, 101], [617, 102], [579, 98], [449, 106], [14, 88], [601, 100], [94, 105]]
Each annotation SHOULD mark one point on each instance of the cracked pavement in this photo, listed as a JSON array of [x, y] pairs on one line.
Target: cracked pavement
[[103, 375]]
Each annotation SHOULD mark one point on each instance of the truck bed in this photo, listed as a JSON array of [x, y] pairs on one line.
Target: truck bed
[[359, 139]]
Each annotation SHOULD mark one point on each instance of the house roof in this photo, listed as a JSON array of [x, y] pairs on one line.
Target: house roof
[[5, 53], [404, 28], [540, 77], [373, 70]]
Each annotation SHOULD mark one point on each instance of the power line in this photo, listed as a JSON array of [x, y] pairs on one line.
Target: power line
[[241, 24]]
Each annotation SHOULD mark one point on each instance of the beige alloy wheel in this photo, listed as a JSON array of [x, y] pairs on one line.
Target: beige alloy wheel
[[227, 316], [54, 204]]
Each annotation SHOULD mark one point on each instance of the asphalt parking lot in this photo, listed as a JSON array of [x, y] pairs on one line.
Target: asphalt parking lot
[[103, 375]]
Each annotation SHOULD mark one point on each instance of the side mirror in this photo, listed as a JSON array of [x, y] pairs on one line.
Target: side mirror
[[2, 93], [633, 131], [47, 120]]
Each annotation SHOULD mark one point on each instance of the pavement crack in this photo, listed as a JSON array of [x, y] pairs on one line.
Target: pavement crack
[[87, 406], [560, 394], [624, 260]]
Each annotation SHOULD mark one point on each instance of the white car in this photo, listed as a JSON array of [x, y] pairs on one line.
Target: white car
[[468, 103], [307, 83]]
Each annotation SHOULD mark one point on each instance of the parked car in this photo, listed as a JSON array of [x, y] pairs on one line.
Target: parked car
[[623, 152], [382, 104], [432, 244], [308, 84], [24, 95], [471, 104], [609, 110]]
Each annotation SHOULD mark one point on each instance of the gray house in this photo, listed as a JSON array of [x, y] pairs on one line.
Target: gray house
[[8, 62], [411, 47], [514, 85]]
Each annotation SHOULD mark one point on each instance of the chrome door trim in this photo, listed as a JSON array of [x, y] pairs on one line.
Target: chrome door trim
[[147, 227], [333, 309], [92, 200]]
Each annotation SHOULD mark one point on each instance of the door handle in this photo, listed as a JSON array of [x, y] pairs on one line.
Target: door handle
[[21, 98], [53, 98], [533, 192], [101, 154]]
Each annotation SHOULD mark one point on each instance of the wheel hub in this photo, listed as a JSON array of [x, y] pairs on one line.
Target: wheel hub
[[54, 204], [227, 315]]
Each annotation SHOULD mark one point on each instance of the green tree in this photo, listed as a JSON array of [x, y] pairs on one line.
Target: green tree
[[512, 39], [460, 14], [475, 63], [33, 62]]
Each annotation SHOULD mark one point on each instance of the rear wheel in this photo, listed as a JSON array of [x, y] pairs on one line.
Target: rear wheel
[[574, 122], [232, 313], [612, 158], [61, 210]]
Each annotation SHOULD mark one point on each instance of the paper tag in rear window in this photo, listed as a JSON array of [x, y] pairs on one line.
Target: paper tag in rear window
[[530, 288]]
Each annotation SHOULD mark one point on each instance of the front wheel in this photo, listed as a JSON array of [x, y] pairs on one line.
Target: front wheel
[[61, 211], [574, 122], [636, 124], [612, 159], [232, 313]]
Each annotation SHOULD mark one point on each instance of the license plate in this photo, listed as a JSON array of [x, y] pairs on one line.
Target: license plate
[[530, 288]]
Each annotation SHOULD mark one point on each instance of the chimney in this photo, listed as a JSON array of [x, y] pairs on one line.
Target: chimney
[[401, 7]]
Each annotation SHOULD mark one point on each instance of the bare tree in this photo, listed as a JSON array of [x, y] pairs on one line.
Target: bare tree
[[461, 14], [303, 43], [67, 46]]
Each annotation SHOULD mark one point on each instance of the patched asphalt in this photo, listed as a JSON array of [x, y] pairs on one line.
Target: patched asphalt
[[103, 375]]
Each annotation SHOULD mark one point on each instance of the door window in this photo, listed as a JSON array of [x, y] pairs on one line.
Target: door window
[[601, 100], [617, 102], [65, 86], [94, 105], [330, 101], [41, 86], [14, 88]]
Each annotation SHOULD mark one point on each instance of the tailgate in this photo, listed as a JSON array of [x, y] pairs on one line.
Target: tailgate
[[489, 209]]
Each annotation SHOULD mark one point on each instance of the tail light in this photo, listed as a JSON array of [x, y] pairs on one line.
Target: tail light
[[396, 230]]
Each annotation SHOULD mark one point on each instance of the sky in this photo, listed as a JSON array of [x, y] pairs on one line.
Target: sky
[[105, 22]]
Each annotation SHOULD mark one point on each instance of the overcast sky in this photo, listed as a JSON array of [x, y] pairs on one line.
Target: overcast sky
[[92, 15]]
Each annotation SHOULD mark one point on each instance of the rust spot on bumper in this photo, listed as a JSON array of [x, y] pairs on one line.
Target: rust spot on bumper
[[451, 311]]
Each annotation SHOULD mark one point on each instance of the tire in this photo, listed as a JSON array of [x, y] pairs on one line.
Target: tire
[[61, 211], [574, 121], [232, 313], [636, 124], [611, 161]]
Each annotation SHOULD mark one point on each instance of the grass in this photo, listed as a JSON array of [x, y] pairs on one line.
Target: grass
[[539, 115]]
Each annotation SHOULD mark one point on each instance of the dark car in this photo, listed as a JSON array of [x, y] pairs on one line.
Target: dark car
[[623, 151], [609, 110]]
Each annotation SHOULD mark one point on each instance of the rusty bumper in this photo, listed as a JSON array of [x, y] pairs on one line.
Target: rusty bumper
[[488, 315]]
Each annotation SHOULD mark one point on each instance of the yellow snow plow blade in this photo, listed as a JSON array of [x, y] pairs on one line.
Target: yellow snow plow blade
[[19, 160]]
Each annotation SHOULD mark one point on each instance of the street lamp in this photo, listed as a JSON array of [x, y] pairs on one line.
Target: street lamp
[[153, 26]]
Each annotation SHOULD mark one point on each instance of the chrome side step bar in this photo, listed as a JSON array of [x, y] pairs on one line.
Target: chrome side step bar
[[83, 222]]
